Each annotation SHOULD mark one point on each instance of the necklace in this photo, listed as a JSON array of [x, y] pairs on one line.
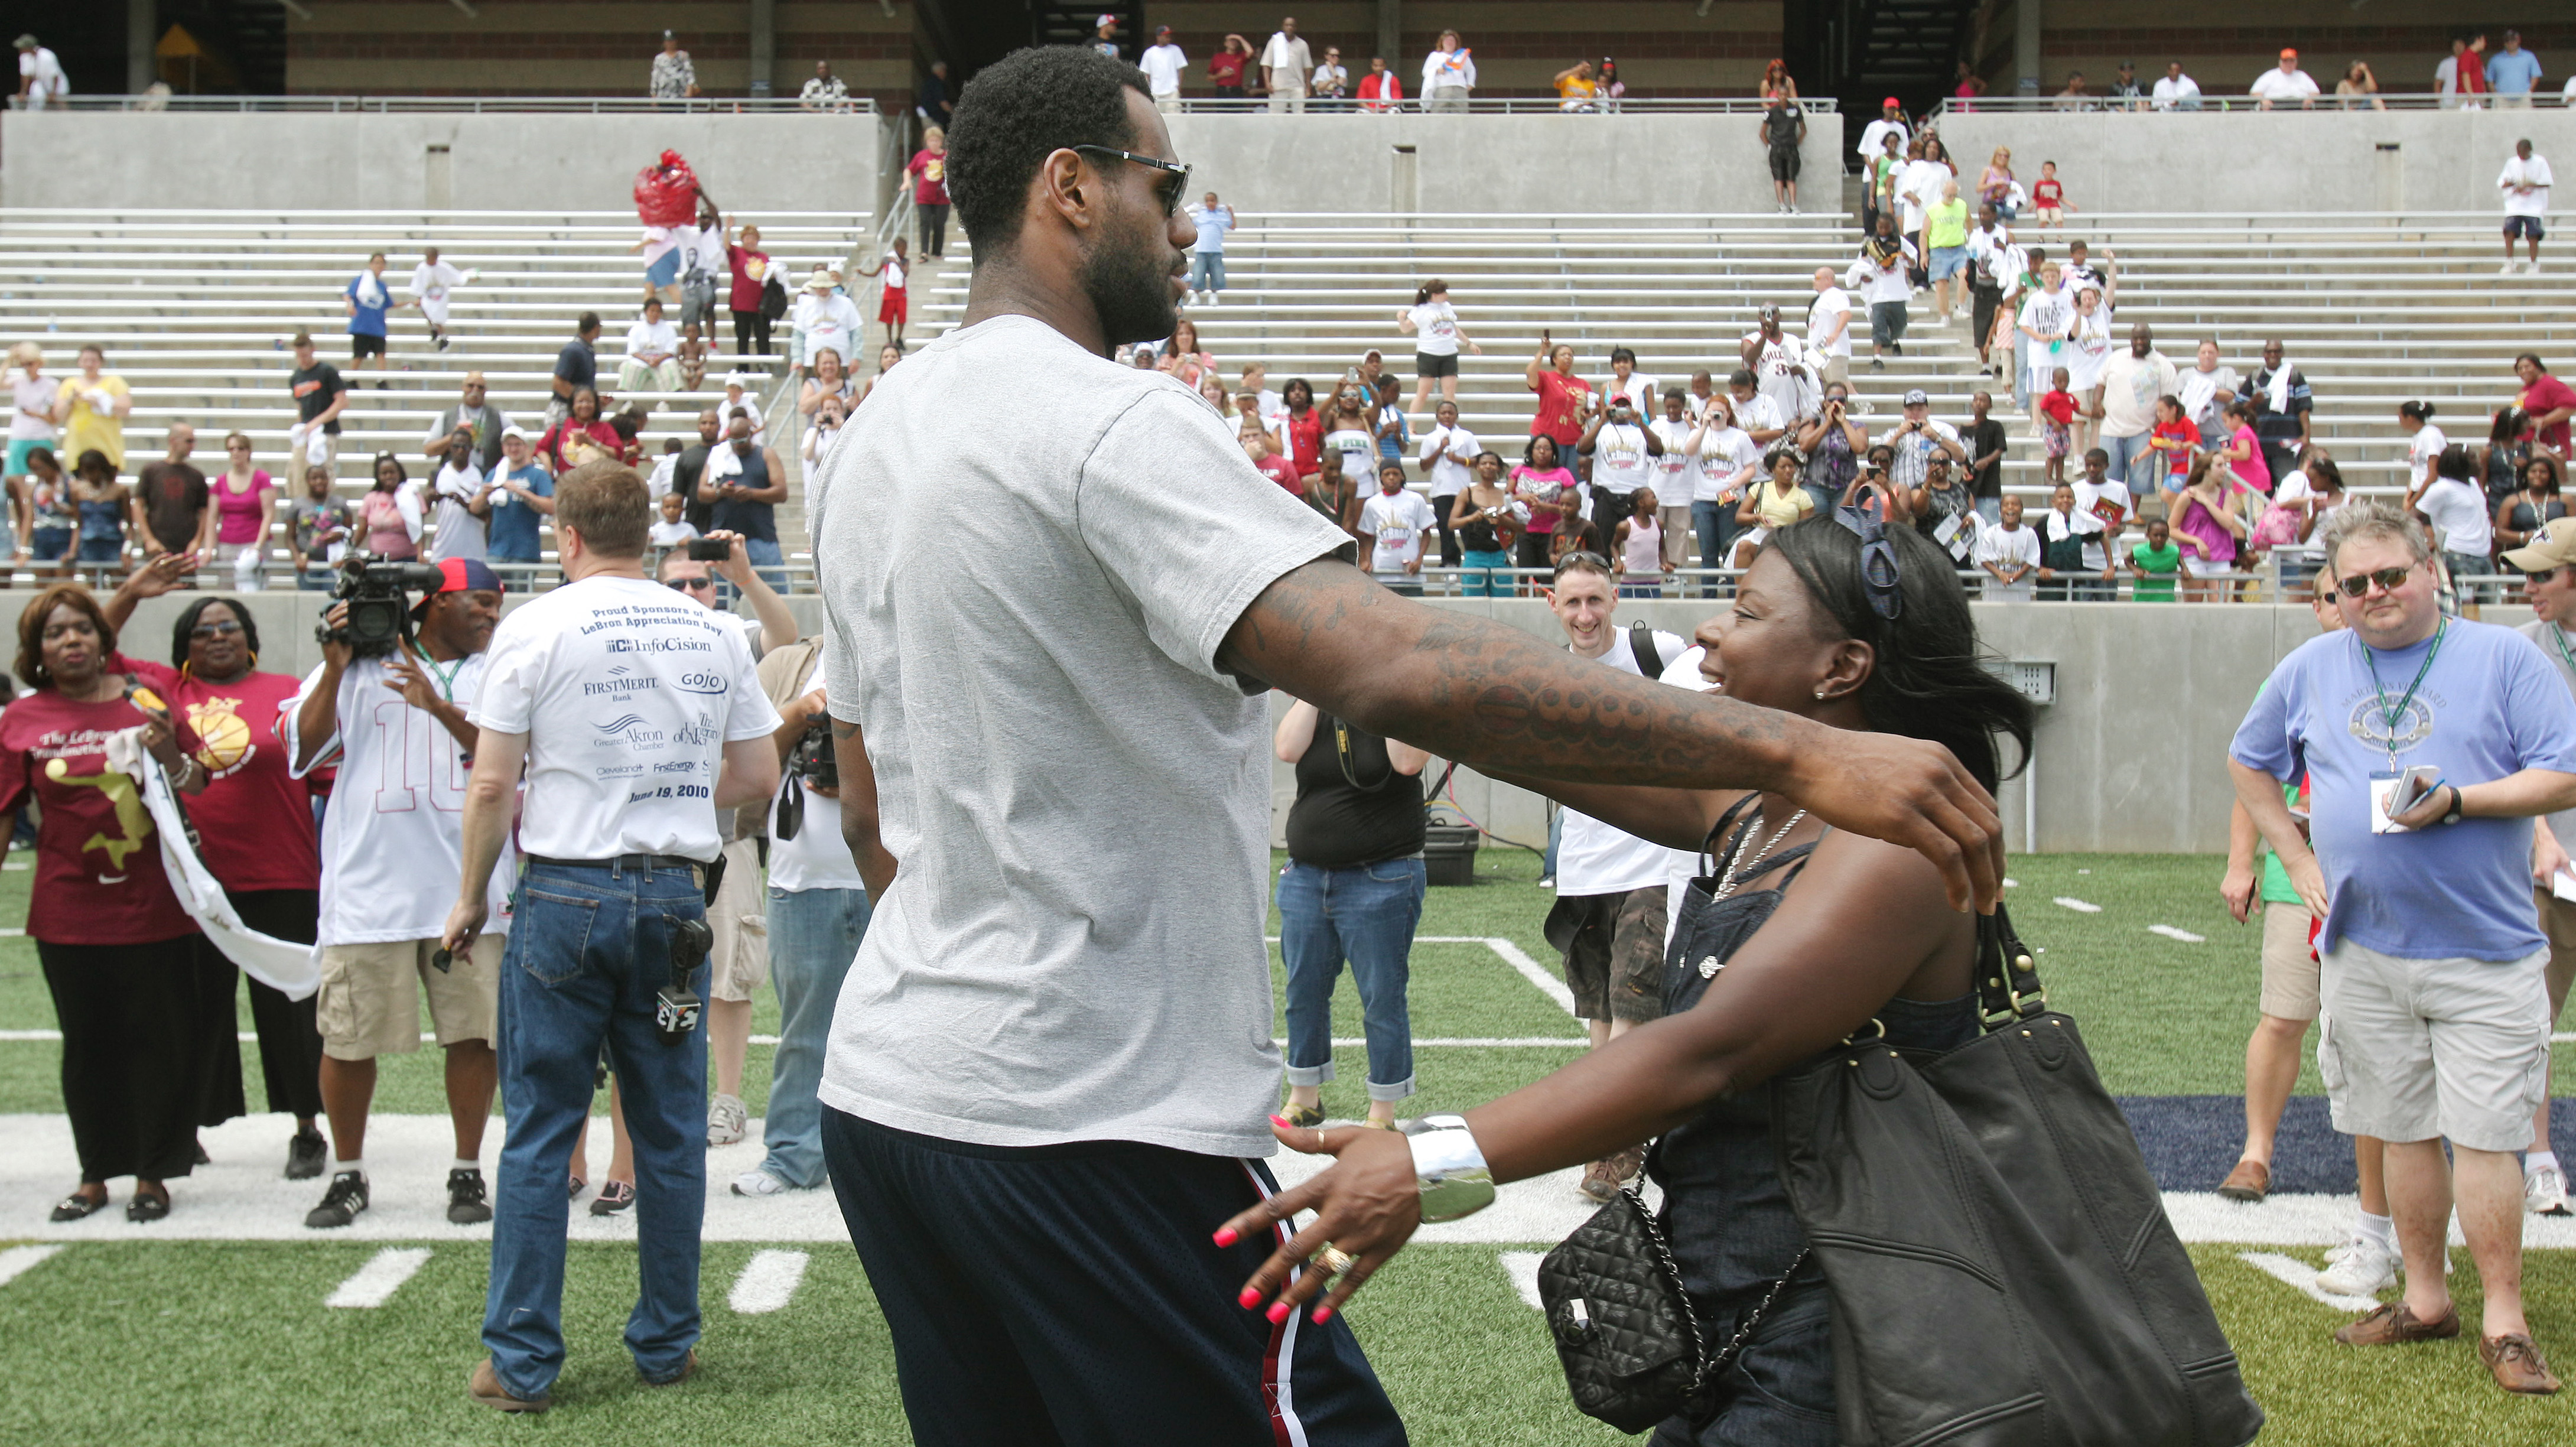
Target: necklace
[[1736, 873]]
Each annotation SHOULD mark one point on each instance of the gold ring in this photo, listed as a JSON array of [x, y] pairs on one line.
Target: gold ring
[[1333, 1260]]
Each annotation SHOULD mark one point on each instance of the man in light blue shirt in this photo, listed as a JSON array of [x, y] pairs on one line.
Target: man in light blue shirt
[[2513, 71], [2435, 1019], [1207, 254], [367, 299]]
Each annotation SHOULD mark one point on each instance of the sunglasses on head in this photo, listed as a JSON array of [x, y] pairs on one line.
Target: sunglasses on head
[[1581, 559], [2388, 580]]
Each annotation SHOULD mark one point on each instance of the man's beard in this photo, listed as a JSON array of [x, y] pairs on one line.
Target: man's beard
[[1130, 287]]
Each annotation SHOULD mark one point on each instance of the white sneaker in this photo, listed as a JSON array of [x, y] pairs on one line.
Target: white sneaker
[[726, 1120], [2509, 268], [2359, 1267], [1211, 298], [2531, 268], [2544, 1192], [759, 1183]]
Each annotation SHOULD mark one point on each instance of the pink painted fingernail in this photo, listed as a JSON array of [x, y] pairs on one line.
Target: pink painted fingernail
[[1278, 1312], [1323, 1314], [1251, 1297], [1280, 1121], [1225, 1236]]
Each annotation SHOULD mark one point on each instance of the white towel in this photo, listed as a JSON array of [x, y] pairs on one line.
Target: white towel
[[281, 964], [2276, 393]]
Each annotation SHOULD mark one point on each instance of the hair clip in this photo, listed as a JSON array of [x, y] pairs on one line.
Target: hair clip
[[1877, 561]]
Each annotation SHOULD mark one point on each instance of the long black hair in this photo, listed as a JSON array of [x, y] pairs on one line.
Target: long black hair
[[187, 624], [1930, 680]]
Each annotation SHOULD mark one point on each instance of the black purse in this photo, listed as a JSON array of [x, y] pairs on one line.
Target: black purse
[[1998, 1257], [1623, 1325]]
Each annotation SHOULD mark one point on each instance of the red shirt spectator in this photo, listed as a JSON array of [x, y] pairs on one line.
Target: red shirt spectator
[[1563, 398], [98, 866], [2547, 401], [1282, 471], [750, 271], [1380, 89], [1226, 68], [929, 172]]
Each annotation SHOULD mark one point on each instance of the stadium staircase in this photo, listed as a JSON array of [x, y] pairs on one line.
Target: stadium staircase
[[195, 310]]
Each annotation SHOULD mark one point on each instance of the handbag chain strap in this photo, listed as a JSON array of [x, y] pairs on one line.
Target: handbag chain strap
[[1708, 1366]]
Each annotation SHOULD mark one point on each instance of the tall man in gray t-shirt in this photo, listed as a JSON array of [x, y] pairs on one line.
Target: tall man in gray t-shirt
[[2548, 567], [1051, 1058]]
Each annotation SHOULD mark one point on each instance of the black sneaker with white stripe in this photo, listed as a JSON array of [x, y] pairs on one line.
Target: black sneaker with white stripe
[[465, 1203], [340, 1204]]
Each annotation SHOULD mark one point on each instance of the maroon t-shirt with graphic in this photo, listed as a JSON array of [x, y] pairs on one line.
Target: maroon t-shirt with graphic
[[98, 867], [255, 824]]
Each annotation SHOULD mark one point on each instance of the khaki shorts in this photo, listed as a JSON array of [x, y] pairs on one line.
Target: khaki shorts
[[2289, 971], [368, 1006], [1614, 964], [2412, 1050], [2558, 921], [1836, 369], [739, 964]]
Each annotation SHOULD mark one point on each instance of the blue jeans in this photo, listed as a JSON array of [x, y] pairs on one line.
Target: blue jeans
[[589, 947], [1366, 914], [1487, 575], [1207, 271], [1715, 524], [1555, 837], [768, 560], [2123, 451], [814, 934]]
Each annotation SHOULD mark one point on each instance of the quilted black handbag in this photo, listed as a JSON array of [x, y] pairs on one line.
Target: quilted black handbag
[[1623, 1326], [1998, 1257]]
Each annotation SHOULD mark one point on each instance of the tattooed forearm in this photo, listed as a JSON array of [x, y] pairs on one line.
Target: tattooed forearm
[[1492, 696]]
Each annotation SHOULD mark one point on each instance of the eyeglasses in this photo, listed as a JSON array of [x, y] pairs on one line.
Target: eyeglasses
[[2388, 580], [686, 585], [2538, 577], [208, 632], [1173, 191]]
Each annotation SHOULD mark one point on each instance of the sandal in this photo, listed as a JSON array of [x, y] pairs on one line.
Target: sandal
[[574, 1187], [148, 1206], [614, 1196], [76, 1206]]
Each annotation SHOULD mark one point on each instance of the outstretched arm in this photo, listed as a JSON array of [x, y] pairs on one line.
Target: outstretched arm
[[1498, 699]]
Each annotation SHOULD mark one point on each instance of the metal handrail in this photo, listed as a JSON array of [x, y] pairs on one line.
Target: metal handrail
[[2237, 103], [859, 105]]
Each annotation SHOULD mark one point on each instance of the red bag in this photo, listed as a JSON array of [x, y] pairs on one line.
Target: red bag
[[666, 193]]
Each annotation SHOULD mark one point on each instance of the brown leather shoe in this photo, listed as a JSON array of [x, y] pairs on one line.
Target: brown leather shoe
[[486, 1388], [2394, 1324], [688, 1369], [2518, 1366], [2250, 1181]]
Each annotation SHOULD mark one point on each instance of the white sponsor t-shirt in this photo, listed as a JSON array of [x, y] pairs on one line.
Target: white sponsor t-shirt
[[818, 857], [1592, 857], [1725, 454], [1449, 477], [1398, 523], [1619, 461], [628, 693], [2459, 512], [393, 838], [1435, 329], [1676, 472]]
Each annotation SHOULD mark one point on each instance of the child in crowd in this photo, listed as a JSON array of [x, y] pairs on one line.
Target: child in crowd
[[2009, 554], [2057, 423], [2049, 197], [2102, 499], [665, 468], [2154, 563], [893, 305], [673, 528], [1638, 542], [692, 357], [2175, 441]]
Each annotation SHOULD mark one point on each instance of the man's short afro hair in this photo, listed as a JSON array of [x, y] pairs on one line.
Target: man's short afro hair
[[1017, 112]]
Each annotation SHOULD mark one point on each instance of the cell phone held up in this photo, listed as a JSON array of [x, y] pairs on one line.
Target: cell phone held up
[[709, 550]]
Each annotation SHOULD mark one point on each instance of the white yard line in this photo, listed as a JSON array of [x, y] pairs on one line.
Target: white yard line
[[1522, 1268], [2079, 906], [1490, 1042], [1514, 956], [16, 1261], [2300, 1277], [375, 1283], [768, 1281], [2184, 935]]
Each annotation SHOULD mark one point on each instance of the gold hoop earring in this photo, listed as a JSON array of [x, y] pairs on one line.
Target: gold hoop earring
[[254, 658]]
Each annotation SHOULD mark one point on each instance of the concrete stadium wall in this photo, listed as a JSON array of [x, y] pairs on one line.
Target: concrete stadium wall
[[382, 162], [2276, 161], [2129, 757], [1532, 165]]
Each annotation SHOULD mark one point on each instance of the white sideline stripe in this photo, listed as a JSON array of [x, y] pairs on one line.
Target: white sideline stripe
[[17, 1260], [1490, 1042], [2184, 935], [1522, 1268], [2065, 901], [2011, 883], [2564, 1037], [375, 1283], [2300, 1277], [768, 1281]]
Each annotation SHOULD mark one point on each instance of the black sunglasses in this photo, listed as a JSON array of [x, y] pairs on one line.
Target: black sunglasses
[[683, 585], [1172, 192], [2538, 577], [2387, 578], [1581, 558]]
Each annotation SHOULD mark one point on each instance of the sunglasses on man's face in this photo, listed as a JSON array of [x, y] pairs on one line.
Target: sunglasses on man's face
[[2388, 580], [1172, 190], [2539, 577], [690, 585]]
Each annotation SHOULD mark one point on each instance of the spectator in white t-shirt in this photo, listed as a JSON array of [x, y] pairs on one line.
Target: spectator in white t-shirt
[[1881, 277], [1448, 76], [464, 495], [652, 354], [1873, 137], [1917, 439], [2175, 91], [1783, 370], [1448, 461], [1285, 63], [1396, 522], [2207, 389], [1676, 475], [1163, 64], [2525, 183], [1331, 85], [1433, 323], [1829, 328], [2285, 82], [41, 81], [2009, 555]]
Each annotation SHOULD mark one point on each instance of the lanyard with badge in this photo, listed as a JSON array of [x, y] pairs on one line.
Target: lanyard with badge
[[2393, 790]]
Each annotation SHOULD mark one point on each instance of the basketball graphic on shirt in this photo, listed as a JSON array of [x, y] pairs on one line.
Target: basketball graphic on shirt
[[935, 169], [223, 739]]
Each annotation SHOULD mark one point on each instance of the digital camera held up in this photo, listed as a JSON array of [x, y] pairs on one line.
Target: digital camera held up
[[811, 761], [378, 595]]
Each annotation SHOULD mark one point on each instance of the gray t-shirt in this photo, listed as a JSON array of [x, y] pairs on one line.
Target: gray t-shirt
[[2561, 653], [1024, 615]]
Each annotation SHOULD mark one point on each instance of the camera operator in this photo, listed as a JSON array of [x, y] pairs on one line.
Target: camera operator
[[636, 717], [817, 912], [393, 719], [740, 961]]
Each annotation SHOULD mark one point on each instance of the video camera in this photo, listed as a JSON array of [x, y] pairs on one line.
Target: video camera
[[811, 761], [379, 619]]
